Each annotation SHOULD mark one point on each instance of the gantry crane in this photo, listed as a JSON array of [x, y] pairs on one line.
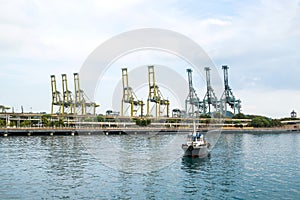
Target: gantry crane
[[129, 97], [82, 102], [68, 103], [155, 96], [56, 97], [210, 98], [193, 105], [78, 100], [228, 97]]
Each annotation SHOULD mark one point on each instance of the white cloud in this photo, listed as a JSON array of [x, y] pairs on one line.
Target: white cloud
[[259, 41], [274, 103]]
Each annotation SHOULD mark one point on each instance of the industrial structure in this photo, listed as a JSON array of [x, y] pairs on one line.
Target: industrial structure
[[77, 103], [193, 105], [210, 104], [227, 97], [155, 96], [210, 99], [67, 103], [3, 108], [293, 114], [56, 97], [82, 104], [129, 98]]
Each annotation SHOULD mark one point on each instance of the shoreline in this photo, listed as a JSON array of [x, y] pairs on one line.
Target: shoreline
[[40, 131]]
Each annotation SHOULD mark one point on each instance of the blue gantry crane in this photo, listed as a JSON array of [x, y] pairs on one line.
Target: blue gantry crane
[[210, 99], [227, 97], [193, 105]]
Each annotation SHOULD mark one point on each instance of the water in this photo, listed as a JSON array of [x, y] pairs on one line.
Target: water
[[241, 166]]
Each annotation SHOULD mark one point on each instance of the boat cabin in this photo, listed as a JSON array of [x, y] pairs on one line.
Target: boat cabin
[[196, 138]]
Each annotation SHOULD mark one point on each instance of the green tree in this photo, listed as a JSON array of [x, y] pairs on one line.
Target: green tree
[[240, 116], [143, 122], [100, 118], [25, 123], [205, 116], [46, 120], [260, 121], [2, 123]]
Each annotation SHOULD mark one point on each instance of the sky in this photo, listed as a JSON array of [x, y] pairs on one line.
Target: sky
[[259, 40]]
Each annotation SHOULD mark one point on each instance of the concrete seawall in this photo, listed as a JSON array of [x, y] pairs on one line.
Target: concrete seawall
[[108, 131]]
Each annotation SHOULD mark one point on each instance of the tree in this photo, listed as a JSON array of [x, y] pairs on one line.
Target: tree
[[25, 123], [240, 116], [100, 118], [46, 120], [143, 122], [2, 123], [205, 116]]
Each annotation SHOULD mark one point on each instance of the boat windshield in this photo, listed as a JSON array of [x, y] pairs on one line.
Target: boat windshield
[[195, 137]]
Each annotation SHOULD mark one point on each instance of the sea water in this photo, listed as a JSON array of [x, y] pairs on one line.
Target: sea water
[[241, 166]]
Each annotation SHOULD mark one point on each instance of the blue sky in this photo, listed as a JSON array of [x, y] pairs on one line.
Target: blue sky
[[258, 40]]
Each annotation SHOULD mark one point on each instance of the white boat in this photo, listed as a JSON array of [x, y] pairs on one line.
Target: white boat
[[196, 145]]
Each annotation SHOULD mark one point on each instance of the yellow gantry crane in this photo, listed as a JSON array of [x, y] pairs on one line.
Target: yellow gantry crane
[[82, 106], [56, 97], [69, 103], [129, 97], [67, 96], [79, 99], [155, 96]]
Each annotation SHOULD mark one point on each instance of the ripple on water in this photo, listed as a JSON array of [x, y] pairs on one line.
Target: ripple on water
[[241, 166]]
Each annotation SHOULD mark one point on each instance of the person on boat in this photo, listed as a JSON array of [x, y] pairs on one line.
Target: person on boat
[[194, 136], [198, 136], [202, 141]]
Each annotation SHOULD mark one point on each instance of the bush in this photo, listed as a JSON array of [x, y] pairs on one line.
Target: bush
[[260, 121], [2, 123], [25, 123], [143, 122], [240, 116]]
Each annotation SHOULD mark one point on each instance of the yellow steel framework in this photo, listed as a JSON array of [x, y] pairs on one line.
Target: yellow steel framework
[[156, 96], [68, 103], [82, 106], [56, 96], [129, 97]]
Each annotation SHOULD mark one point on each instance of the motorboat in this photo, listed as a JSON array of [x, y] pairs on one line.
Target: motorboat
[[196, 145]]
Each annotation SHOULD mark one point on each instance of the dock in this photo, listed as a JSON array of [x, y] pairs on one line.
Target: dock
[[73, 131], [66, 131]]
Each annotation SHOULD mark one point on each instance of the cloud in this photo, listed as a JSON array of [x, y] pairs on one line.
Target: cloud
[[258, 40], [276, 103]]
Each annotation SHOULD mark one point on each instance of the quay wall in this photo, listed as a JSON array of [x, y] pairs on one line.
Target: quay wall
[[31, 131]]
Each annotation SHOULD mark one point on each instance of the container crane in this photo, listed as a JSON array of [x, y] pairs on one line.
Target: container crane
[[228, 97], [155, 96], [129, 97], [56, 97], [193, 105], [67, 96], [82, 102], [210, 99]]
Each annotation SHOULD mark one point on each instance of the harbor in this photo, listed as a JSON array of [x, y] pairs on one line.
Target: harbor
[[240, 166], [72, 113], [75, 131], [146, 100]]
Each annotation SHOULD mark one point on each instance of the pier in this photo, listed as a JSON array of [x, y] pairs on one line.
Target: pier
[[65, 131]]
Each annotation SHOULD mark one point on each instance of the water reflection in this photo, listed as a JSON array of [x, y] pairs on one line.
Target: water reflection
[[190, 164], [241, 166]]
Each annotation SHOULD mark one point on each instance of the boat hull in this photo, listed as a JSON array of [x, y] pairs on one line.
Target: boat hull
[[199, 151]]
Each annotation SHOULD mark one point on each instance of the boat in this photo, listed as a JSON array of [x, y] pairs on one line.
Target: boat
[[196, 145]]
